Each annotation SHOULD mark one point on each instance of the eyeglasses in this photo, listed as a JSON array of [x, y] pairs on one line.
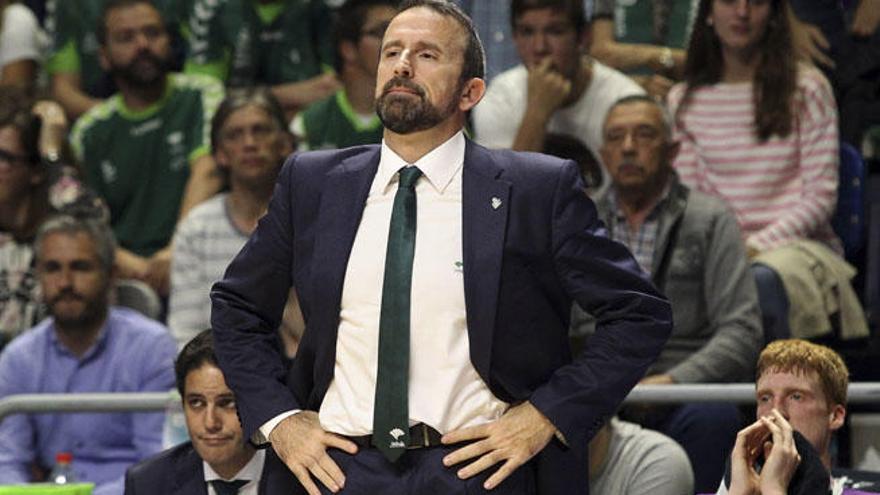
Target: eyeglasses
[[9, 159], [377, 31]]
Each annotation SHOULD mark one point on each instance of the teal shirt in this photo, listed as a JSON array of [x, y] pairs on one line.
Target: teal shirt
[[333, 123], [245, 44], [139, 162]]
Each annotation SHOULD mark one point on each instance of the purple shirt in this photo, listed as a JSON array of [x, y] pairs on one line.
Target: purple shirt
[[132, 354]]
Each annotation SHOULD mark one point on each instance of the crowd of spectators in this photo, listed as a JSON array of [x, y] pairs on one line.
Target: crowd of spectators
[[141, 139]]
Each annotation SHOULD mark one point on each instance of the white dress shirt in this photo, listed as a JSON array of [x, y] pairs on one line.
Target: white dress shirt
[[445, 390], [252, 471]]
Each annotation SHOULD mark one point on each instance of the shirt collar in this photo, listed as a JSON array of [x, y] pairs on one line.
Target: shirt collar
[[97, 345], [439, 166], [618, 211], [251, 471]]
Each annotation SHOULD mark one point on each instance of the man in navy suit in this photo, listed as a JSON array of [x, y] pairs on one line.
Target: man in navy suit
[[482, 274], [218, 460]]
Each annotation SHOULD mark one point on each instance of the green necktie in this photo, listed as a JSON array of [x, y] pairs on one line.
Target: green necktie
[[227, 487], [391, 409]]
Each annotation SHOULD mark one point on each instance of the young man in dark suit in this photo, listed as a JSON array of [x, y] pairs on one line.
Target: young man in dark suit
[[218, 460], [435, 358]]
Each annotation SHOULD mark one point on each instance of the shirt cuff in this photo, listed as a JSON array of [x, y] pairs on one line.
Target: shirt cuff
[[261, 436]]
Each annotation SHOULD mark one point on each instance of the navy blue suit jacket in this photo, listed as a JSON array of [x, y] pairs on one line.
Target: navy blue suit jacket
[[524, 263], [179, 471]]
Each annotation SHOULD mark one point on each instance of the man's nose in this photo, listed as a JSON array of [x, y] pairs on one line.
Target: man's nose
[[403, 68], [743, 7], [541, 45], [212, 419]]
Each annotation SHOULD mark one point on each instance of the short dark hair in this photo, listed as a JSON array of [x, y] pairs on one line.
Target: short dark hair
[[196, 353], [238, 98], [101, 28], [474, 65], [350, 22], [573, 9]]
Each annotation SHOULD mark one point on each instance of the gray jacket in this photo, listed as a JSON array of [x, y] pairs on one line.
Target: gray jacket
[[700, 264]]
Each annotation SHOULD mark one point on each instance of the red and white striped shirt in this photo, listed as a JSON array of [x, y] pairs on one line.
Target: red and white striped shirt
[[781, 190]]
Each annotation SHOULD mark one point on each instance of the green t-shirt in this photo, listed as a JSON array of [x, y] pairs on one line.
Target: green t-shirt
[[71, 24], [656, 22], [139, 161], [245, 43], [332, 123]]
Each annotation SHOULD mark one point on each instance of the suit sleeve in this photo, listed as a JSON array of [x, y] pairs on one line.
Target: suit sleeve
[[633, 320], [247, 306]]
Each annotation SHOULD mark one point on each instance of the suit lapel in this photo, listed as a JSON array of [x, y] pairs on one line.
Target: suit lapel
[[189, 475], [485, 203], [342, 205]]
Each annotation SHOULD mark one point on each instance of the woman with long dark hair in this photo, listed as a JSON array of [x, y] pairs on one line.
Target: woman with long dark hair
[[758, 128]]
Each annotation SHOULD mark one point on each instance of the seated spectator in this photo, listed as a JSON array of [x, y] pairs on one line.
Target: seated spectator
[[86, 346], [759, 131], [218, 456], [628, 459], [643, 37], [276, 43], [36, 181], [349, 117], [146, 150], [557, 89], [21, 45], [79, 80], [250, 141], [800, 386], [690, 245]]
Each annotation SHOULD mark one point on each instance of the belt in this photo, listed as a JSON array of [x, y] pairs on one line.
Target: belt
[[420, 436]]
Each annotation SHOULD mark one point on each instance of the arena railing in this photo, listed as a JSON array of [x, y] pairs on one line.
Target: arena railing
[[740, 393]]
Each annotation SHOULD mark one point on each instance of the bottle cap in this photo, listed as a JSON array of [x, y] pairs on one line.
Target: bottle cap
[[63, 457]]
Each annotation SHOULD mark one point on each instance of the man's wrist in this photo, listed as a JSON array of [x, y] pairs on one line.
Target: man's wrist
[[261, 436]]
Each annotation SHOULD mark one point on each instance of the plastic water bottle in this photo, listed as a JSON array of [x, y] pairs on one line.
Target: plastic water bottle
[[62, 473]]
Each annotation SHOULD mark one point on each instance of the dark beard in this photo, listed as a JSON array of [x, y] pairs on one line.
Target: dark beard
[[145, 71], [93, 313], [401, 115]]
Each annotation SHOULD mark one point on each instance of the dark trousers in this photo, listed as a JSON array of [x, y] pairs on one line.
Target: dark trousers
[[420, 472]]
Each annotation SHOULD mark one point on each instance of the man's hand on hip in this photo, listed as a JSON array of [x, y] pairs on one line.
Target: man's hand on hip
[[302, 444], [515, 438]]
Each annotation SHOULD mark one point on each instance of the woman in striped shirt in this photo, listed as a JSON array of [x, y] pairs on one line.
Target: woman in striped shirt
[[758, 129]]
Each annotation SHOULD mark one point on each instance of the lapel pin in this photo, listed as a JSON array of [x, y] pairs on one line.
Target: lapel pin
[[496, 202]]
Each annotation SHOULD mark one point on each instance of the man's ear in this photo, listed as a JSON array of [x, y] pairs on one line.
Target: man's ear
[[348, 51], [836, 417], [471, 93], [220, 158], [585, 39], [103, 59], [672, 149]]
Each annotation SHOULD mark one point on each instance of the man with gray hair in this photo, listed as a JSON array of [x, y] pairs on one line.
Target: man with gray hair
[[85, 346], [691, 247]]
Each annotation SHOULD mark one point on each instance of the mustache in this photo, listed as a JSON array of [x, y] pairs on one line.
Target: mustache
[[66, 293], [399, 82]]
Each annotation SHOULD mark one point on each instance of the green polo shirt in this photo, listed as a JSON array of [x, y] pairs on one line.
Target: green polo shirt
[[139, 162]]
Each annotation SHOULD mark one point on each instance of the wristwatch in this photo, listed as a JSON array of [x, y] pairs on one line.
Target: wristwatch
[[666, 61]]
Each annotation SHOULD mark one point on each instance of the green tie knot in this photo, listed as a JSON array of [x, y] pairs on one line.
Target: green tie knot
[[409, 176]]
